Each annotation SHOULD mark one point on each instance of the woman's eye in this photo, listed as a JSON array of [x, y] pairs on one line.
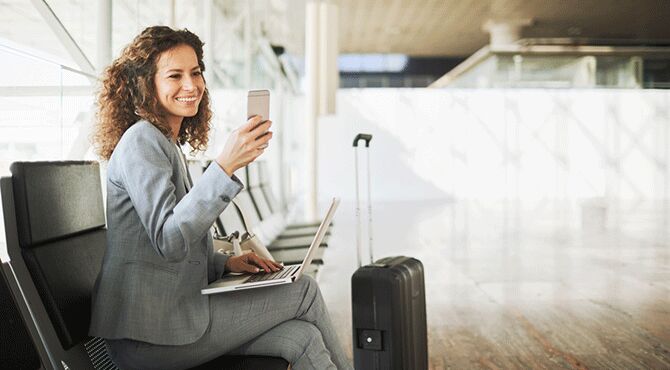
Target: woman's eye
[[198, 73], [174, 76]]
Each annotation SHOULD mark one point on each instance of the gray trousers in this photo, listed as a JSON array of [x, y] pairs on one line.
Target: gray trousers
[[289, 321]]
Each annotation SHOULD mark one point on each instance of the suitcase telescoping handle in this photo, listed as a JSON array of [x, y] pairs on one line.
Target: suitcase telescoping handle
[[367, 138]]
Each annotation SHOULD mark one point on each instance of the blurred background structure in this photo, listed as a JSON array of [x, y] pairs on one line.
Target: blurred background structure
[[516, 71], [502, 128]]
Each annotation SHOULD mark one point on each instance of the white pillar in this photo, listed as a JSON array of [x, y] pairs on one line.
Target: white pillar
[[172, 22], [328, 52], [312, 104], [321, 81], [206, 11], [104, 36], [248, 44]]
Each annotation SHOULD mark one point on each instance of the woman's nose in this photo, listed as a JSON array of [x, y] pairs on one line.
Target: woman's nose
[[188, 84]]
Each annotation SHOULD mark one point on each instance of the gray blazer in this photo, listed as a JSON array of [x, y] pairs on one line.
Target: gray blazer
[[159, 248]]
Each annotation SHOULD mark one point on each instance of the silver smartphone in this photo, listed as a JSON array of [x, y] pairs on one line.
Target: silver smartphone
[[258, 104]]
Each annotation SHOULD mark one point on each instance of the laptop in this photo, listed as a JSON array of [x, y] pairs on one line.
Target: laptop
[[234, 282]]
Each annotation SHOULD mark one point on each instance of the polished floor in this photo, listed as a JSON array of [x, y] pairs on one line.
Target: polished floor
[[523, 286]]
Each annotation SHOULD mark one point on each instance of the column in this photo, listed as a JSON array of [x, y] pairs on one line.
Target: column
[[321, 84], [104, 36]]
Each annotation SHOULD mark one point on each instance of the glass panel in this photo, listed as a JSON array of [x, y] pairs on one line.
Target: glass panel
[[46, 108], [555, 71], [130, 17], [23, 28], [30, 105], [78, 113], [79, 19]]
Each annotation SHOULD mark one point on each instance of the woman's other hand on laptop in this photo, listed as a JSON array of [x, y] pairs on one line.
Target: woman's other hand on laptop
[[251, 263]]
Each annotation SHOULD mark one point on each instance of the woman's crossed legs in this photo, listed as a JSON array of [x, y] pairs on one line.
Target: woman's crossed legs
[[289, 321]]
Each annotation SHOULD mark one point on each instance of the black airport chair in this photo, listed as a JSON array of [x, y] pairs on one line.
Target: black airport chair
[[264, 210], [232, 220], [55, 229], [289, 251], [266, 188], [245, 202]]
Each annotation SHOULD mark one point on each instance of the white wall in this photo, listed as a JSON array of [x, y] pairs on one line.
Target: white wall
[[499, 144]]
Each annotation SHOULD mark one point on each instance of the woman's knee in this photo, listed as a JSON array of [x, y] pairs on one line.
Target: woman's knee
[[311, 335], [312, 301], [305, 338], [306, 280], [309, 285]]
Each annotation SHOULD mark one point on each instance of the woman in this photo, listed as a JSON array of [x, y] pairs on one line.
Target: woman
[[147, 302]]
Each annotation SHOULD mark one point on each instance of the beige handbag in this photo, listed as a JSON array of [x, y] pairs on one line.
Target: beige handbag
[[229, 244], [249, 241]]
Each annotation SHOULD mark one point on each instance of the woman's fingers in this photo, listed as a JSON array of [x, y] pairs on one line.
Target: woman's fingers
[[274, 266], [260, 129], [252, 123], [262, 263], [252, 263], [263, 142], [245, 266], [263, 139], [245, 144]]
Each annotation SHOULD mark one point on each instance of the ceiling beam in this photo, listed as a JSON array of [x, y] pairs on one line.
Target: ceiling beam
[[64, 36]]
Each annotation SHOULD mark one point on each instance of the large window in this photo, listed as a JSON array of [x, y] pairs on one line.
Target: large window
[[46, 109]]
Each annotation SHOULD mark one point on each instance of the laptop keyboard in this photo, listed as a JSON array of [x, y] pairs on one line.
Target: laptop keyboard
[[275, 275]]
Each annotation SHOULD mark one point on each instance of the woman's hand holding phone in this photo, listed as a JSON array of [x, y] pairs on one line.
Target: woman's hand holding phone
[[245, 144]]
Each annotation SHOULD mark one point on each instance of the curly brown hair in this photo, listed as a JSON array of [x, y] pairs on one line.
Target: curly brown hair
[[127, 93]]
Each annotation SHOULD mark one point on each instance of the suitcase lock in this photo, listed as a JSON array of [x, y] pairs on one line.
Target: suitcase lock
[[370, 339]]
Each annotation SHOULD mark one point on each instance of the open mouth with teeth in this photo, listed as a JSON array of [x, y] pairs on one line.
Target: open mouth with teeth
[[187, 99]]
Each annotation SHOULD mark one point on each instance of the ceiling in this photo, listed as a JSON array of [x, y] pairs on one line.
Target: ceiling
[[446, 28], [454, 27]]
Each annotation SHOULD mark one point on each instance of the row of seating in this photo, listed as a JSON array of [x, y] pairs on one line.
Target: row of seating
[[256, 210], [56, 238]]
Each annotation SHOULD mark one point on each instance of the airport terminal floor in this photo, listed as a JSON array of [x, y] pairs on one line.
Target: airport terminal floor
[[522, 292]]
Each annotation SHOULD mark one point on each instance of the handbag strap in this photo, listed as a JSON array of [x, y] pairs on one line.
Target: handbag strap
[[249, 233]]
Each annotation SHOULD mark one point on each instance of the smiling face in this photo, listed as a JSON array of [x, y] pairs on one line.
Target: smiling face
[[179, 84]]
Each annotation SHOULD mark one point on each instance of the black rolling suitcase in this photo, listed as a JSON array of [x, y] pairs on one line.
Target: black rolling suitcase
[[388, 305]]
